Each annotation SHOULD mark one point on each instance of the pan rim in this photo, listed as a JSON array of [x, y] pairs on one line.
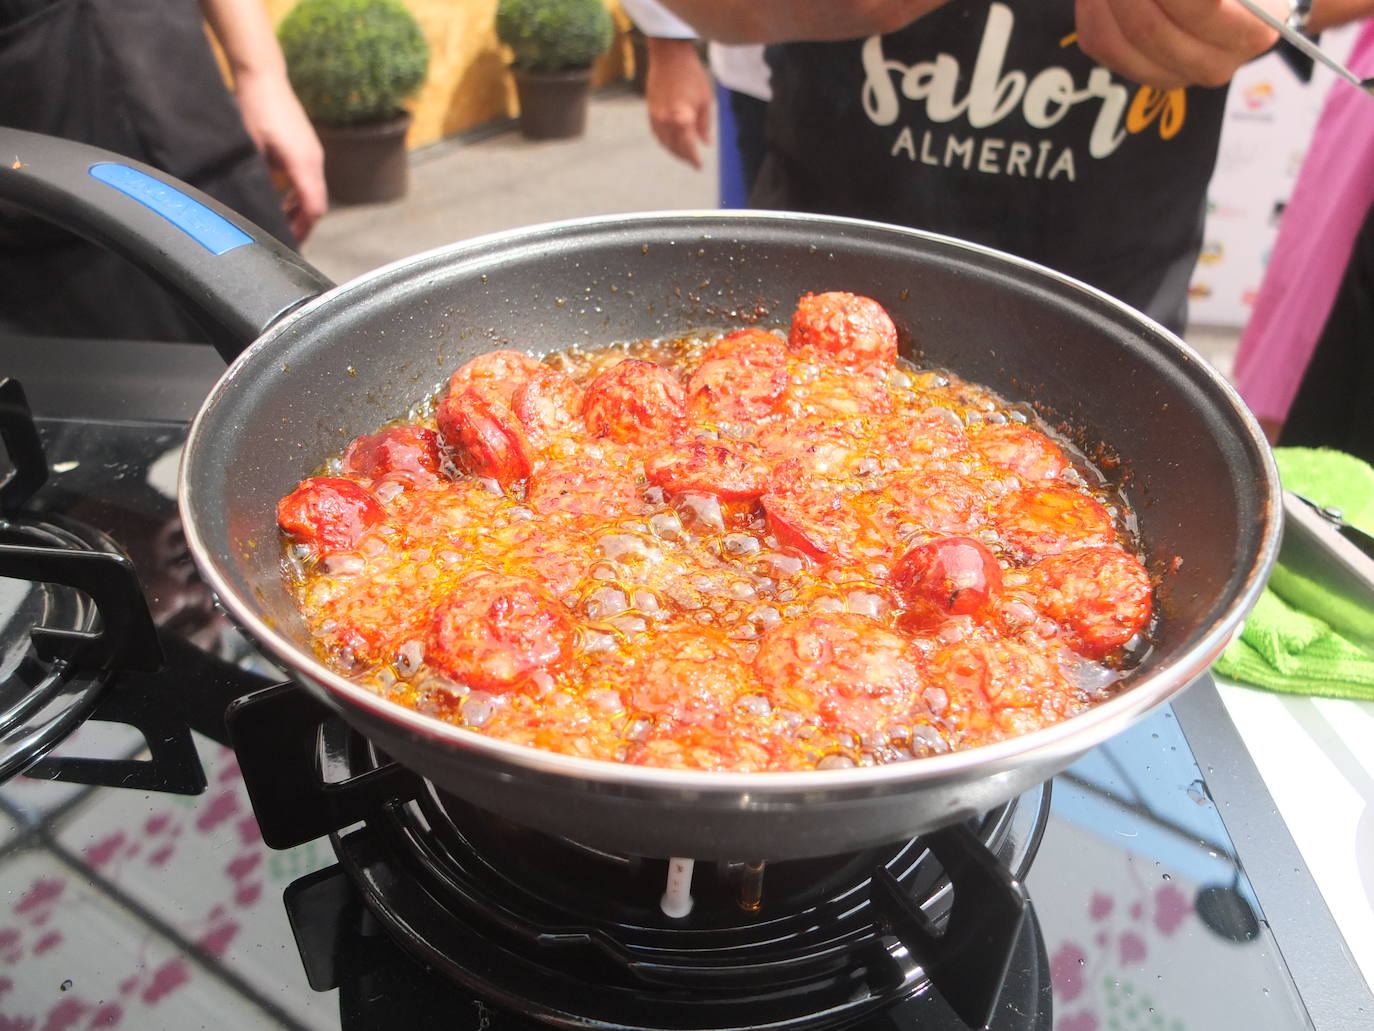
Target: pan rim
[[1063, 740]]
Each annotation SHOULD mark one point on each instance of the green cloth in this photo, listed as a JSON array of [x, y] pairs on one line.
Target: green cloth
[[1297, 638]]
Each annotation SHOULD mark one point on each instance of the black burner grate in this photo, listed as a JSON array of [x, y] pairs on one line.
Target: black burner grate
[[72, 608], [561, 933], [529, 922]]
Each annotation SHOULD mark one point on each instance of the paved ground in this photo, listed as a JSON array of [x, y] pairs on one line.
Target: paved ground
[[496, 179], [465, 187]]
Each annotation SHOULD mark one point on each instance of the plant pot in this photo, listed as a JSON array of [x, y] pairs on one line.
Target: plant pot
[[553, 105], [366, 163]]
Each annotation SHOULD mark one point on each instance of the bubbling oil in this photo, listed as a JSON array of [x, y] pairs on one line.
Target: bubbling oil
[[690, 562]]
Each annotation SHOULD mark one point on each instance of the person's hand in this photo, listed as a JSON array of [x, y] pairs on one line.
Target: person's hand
[[678, 92], [271, 113], [279, 126], [1172, 43]]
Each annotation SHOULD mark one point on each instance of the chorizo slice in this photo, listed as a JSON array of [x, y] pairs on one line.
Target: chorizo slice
[[329, 513], [814, 515], [990, 689], [813, 521], [814, 448], [1022, 449], [733, 470], [495, 375], [937, 501], [575, 485], [407, 453], [948, 576], [859, 674], [1039, 521], [821, 392], [485, 438], [740, 378], [924, 438], [1100, 597], [547, 405], [752, 346], [845, 328], [635, 402], [493, 632], [691, 677]]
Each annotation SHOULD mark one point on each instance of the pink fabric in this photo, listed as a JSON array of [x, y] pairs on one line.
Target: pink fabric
[[1334, 191]]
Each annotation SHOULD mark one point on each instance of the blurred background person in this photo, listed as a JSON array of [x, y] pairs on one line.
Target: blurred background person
[[140, 78], [685, 96], [1305, 364], [1080, 135]]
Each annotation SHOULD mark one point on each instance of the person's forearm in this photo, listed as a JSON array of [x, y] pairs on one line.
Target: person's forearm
[[272, 114], [244, 32], [776, 21]]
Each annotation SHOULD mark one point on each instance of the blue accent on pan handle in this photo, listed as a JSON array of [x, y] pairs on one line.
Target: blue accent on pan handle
[[233, 276], [211, 231]]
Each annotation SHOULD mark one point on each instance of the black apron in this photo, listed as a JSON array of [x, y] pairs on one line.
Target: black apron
[[137, 77], [984, 121]]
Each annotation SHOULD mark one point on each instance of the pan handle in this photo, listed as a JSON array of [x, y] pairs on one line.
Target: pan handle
[[235, 278]]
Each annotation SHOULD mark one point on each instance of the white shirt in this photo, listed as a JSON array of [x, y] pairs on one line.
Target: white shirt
[[738, 67]]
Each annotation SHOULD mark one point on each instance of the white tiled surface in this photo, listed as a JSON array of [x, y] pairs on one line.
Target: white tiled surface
[[33, 799], [154, 849], [66, 960], [10, 828], [188, 878]]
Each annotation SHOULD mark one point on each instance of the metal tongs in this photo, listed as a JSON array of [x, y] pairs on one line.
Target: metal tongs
[[1304, 44]]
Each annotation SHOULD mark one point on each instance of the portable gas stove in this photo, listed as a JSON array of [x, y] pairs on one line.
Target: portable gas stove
[[187, 840]]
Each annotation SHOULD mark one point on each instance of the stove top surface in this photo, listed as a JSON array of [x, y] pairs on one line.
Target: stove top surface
[[1165, 893]]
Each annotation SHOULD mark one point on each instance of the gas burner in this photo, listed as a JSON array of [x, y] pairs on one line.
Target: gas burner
[[56, 654], [71, 607], [565, 934], [529, 921]]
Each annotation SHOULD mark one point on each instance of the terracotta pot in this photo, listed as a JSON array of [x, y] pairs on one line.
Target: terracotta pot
[[366, 163], [553, 105]]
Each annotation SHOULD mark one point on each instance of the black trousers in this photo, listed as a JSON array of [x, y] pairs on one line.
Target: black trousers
[[1334, 407]]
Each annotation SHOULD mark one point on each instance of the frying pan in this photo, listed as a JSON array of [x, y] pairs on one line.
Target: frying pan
[[323, 364]]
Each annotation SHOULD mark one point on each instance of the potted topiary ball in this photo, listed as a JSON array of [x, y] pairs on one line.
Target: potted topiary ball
[[352, 63], [553, 45]]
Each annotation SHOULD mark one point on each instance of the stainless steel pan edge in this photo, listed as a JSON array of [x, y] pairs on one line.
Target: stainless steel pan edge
[[660, 812]]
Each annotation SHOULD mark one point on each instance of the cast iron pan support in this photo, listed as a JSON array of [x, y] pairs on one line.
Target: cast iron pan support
[[277, 735], [19, 434], [968, 962], [234, 277], [126, 638]]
